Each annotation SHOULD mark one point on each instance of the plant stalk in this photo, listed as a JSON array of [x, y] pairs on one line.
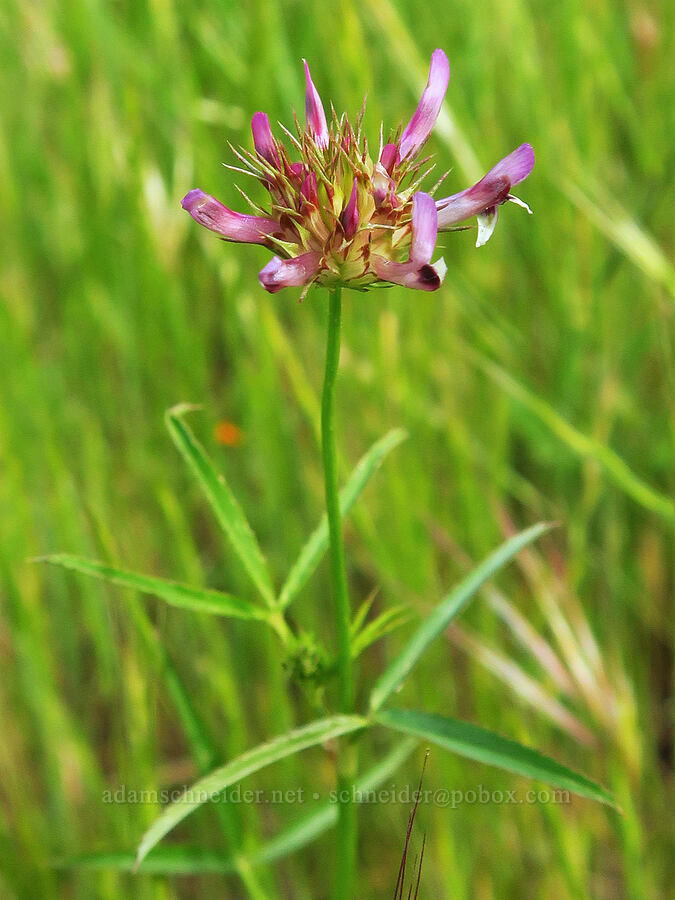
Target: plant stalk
[[345, 758]]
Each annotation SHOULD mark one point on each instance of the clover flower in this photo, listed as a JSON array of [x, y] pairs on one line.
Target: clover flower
[[337, 218]]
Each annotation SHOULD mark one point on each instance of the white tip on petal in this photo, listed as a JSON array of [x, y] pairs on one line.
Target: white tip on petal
[[440, 268], [486, 225]]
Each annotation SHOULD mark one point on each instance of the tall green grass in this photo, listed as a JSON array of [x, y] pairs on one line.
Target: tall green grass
[[537, 383]]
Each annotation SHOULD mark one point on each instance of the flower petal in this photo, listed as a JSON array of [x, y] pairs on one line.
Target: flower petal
[[517, 165], [263, 139], [310, 190], [487, 222], [383, 184], [419, 278], [424, 227], [298, 170], [233, 226], [490, 191], [316, 117], [350, 214], [418, 273], [281, 273], [419, 127], [388, 157]]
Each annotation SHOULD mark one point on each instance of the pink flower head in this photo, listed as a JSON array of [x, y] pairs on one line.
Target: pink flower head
[[338, 216]]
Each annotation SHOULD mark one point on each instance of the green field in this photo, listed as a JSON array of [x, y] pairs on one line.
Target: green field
[[536, 384]]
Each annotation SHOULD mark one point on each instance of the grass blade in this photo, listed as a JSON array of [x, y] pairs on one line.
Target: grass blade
[[446, 611], [523, 685], [246, 764], [313, 551], [579, 443], [223, 502], [487, 747], [624, 232], [183, 596], [175, 860]]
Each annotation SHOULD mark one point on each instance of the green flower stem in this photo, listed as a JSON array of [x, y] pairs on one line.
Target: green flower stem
[[345, 761], [337, 550]]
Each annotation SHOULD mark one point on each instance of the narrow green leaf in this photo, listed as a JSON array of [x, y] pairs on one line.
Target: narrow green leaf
[[382, 625], [178, 860], [199, 740], [487, 747], [175, 860], [445, 612], [183, 596], [211, 785], [309, 827], [228, 512], [362, 612], [313, 551]]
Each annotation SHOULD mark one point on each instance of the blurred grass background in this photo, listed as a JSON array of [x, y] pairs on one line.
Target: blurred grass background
[[537, 383]]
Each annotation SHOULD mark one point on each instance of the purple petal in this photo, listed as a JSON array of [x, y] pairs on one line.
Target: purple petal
[[233, 226], [263, 140], [350, 215], [382, 184], [490, 191], [424, 227], [517, 165], [417, 273], [310, 190], [419, 127], [420, 278], [316, 117], [388, 157], [298, 170], [282, 273]]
